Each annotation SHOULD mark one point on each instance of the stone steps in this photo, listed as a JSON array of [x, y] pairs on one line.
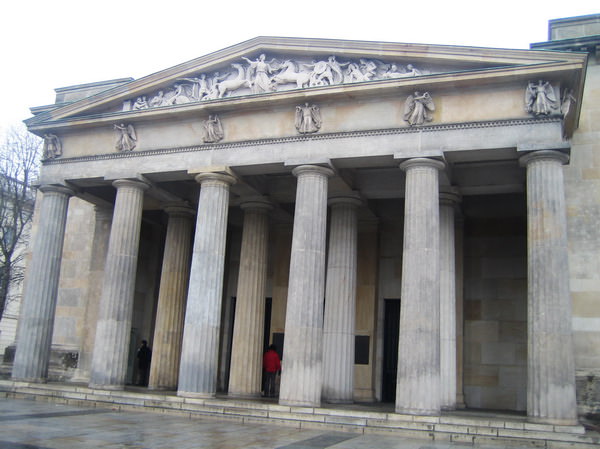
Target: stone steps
[[463, 427]]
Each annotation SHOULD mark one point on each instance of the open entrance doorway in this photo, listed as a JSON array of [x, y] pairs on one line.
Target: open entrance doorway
[[391, 327]]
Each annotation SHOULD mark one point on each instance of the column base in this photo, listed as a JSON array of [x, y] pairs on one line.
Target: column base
[[31, 380], [299, 403], [553, 421], [106, 387], [162, 388], [80, 376], [196, 395], [338, 401], [244, 395], [420, 412]]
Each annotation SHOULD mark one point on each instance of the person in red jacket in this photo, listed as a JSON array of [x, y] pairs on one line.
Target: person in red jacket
[[271, 365]]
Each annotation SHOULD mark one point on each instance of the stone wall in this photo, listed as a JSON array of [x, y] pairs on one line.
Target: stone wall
[[582, 177], [495, 294], [74, 269], [366, 310]]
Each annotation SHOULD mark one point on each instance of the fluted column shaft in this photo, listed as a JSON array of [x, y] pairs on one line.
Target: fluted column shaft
[[418, 382], [175, 274], [200, 349], [302, 375], [448, 367], [34, 336], [551, 367], [113, 329], [460, 319], [247, 348], [340, 301]]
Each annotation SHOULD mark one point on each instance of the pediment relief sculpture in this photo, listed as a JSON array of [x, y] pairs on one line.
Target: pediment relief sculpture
[[262, 75], [52, 147], [418, 108], [126, 137]]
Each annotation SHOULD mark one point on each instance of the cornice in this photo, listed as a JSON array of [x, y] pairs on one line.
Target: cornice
[[508, 59], [399, 87]]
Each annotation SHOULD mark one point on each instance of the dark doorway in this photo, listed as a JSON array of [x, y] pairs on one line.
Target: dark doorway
[[391, 327], [267, 329]]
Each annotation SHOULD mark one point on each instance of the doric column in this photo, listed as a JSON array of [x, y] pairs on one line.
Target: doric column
[[100, 239], [36, 324], [174, 278], [200, 348], [459, 238], [113, 330], [340, 301], [551, 368], [302, 373], [448, 368], [247, 348], [418, 383]]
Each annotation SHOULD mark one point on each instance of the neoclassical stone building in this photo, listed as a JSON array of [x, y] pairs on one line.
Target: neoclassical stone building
[[414, 224]]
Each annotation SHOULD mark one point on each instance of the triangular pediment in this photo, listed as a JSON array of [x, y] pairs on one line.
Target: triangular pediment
[[267, 68]]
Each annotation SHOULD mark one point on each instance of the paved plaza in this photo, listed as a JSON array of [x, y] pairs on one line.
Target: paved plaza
[[27, 424]]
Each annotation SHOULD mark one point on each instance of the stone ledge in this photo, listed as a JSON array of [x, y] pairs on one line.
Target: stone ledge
[[447, 427]]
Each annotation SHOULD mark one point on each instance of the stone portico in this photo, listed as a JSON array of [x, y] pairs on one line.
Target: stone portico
[[394, 218]]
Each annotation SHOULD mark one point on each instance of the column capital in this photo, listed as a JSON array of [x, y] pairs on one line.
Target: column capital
[[214, 177], [55, 188], [103, 212], [317, 169], [256, 203], [135, 183], [450, 196], [368, 224], [422, 162], [351, 199], [553, 155], [179, 210]]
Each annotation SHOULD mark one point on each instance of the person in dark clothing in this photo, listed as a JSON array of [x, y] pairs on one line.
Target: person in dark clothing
[[271, 366], [144, 355]]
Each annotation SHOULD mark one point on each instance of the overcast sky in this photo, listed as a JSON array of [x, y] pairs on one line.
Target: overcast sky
[[56, 43]]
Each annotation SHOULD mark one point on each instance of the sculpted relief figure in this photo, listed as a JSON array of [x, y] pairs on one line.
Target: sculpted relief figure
[[213, 130], [199, 86], [220, 88], [259, 76], [418, 108], [157, 100], [180, 96], [126, 137], [327, 73], [289, 74], [260, 71], [369, 68], [52, 147], [392, 72], [567, 100], [308, 119], [540, 98], [411, 71], [353, 74], [140, 103]]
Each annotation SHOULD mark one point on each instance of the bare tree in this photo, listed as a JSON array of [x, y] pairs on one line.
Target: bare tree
[[20, 153]]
